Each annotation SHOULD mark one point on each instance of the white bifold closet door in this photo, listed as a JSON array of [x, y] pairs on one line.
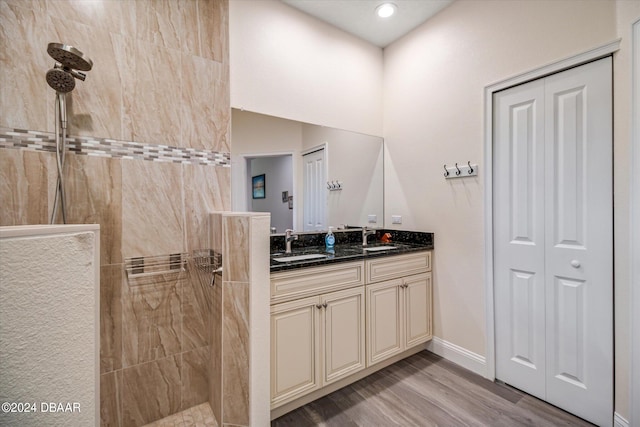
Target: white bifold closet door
[[553, 239]]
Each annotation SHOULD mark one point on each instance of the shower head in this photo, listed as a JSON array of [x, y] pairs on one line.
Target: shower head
[[69, 56], [68, 60], [60, 80]]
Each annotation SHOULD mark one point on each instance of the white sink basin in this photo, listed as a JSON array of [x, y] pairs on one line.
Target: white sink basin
[[378, 248], [299, 258]]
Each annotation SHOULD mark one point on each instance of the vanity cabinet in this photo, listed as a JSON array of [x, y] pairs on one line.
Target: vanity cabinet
[[398, 306], [319, 339], [336, 323]]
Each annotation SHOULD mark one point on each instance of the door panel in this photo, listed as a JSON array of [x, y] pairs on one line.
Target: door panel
[[569, 331], [553, 265], [294, 345], [569, 157], [384, 314], [521, 175], [314, 184], [417, 302], [579, 249], [343, 334], [524, 304], [518, 212]]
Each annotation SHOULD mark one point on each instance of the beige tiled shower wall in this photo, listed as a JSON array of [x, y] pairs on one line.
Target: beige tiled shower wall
[[239, 362], [160, 76], [215, 330]]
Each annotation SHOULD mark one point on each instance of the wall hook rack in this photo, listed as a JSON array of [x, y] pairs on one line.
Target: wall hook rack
[[334, 185], [457, 171]]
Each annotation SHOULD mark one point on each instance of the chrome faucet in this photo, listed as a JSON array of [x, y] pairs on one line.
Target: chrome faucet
[[289, 237], [366, 233]]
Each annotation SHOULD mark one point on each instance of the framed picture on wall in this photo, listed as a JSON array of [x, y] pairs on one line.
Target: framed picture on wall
[[258, 185]]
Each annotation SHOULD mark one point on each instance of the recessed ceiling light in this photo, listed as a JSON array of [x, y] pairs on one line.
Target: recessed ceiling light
[[385, 10]]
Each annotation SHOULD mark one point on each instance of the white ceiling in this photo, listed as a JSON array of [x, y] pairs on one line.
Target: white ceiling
[[358, 17]]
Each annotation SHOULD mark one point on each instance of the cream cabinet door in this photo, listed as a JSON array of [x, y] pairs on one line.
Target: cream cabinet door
[[295, 345], [343, 333], [417, 302], [384, 320], [399, 316]]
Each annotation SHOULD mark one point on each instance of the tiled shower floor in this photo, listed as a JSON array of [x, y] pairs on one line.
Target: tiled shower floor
[[196, 416]]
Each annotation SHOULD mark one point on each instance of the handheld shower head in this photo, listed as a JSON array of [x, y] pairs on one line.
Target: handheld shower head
[[69, 56], [70, 63], [60, 80]]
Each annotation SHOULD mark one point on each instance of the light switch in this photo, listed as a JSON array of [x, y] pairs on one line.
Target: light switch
[[396, 219], [372, 219]]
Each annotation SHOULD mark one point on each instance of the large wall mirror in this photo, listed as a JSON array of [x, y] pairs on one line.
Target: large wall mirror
[[277, 148]]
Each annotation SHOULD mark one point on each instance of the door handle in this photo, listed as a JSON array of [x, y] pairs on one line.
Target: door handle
[[575, 263]]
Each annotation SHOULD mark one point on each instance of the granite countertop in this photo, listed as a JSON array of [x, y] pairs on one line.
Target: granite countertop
[[346, 250]]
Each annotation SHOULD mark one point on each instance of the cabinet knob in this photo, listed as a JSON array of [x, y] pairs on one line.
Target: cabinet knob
[[318, 306], [575, 263], [324, 305]]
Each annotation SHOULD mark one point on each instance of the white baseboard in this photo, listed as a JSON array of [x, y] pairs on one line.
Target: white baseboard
[[458, 355], [619, 421]]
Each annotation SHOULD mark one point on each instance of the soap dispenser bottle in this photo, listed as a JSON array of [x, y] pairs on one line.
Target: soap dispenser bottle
[[330, 241]]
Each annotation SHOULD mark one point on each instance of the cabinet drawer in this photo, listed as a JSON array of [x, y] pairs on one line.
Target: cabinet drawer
[[398, 266], [289, 285]]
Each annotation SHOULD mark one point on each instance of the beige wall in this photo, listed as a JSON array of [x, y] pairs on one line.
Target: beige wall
[[160, 76], [635, 227], [290, 65], [439, 120], [263, 134]]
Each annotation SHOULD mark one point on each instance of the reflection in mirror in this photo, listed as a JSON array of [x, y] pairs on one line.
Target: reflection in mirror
[[278, 179], [314, 189], [353, 165]]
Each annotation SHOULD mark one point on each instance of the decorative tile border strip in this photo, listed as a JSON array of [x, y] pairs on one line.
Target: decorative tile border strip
[[107, 147]]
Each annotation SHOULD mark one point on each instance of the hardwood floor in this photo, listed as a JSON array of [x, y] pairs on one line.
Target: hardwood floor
[[426, 390]]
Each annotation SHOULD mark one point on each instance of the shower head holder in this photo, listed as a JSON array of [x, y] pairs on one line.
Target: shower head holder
[[68, 61]]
